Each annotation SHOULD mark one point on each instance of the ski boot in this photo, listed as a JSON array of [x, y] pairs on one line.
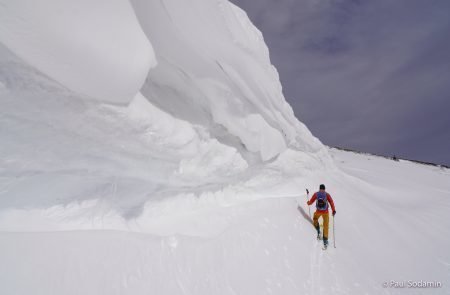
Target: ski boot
[[325, 243]]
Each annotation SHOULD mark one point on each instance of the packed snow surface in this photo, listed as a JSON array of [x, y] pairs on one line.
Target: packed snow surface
[[392, 225], [146, 148]]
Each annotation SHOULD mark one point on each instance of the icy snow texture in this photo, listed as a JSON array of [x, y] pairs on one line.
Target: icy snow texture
[[214, 70], [95, 48]]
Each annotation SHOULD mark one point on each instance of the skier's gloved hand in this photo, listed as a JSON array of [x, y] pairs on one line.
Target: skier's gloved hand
[[334, 212]]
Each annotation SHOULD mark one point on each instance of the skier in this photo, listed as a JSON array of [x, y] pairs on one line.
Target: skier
[[322, 198]]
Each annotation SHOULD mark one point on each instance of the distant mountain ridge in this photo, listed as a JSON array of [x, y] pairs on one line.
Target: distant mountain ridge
[[392, 158]]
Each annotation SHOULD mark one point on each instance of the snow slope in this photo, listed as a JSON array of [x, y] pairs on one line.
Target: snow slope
[[184, 178], [385, 230]]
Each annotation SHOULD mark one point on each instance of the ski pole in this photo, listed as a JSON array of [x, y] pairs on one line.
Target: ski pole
[[307, 200], [334, 232]]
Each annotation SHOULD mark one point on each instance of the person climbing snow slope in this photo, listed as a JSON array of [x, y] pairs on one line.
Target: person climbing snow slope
[[322, 199]]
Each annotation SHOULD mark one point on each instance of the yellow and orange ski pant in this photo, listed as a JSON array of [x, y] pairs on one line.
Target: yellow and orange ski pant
[[326, 220]]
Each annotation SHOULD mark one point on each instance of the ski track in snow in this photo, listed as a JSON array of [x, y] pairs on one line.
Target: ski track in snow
[[190, 263]]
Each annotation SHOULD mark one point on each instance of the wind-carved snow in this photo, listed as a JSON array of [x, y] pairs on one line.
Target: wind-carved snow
[[193, 183], [214, 69], [199, 158], [95, 48]]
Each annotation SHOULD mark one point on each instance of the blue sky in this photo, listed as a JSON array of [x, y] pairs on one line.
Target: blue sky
[[367, 75]]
